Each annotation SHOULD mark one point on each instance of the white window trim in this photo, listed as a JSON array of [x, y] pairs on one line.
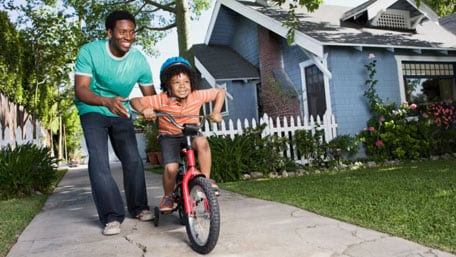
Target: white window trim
[[302, 67], [402, 58], [305, 107], [211, 105]]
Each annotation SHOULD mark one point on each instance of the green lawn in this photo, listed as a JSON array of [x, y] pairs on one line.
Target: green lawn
[[416, 201], [15, 215]]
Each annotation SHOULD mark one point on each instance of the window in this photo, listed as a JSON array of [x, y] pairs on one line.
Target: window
[[207, 107], [428, 82], [315, 91]]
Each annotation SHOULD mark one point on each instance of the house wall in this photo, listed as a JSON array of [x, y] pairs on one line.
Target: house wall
[[347, 85], [224, 28], [292, 56], [244, 103], [245, 41]]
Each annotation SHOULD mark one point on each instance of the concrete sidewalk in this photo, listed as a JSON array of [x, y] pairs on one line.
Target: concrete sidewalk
[[68, 226]]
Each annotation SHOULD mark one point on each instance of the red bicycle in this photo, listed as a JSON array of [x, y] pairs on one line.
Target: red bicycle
[[196, 200]]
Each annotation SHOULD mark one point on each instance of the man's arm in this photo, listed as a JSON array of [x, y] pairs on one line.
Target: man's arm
[[83, 93], [147, 90]]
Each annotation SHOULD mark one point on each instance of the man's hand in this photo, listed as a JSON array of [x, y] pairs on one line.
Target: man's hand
[[115, 105]]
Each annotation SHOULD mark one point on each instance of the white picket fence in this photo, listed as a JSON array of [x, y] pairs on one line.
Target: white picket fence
[[283, 127]]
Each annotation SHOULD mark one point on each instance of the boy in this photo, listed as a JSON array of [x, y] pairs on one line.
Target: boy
[[179, 96]]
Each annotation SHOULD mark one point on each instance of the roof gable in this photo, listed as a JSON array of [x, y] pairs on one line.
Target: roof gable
[[390, 14], [326, 26]]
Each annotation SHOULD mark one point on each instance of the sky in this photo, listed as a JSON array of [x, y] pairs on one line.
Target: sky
[[167, 47]]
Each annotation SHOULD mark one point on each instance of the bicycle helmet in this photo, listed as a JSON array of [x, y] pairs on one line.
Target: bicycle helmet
[[174, 66]]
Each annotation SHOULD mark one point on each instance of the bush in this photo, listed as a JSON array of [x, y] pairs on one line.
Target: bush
[[25, 169], [249, 152], [394, 132], [312, 146]]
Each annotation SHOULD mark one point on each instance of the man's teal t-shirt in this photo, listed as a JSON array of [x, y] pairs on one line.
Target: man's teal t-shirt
[[110, 76]]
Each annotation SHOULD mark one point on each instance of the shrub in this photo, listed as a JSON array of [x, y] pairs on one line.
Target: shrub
[[312, 146], [393, 132], [249, 152], [227, 158], [25, 169], [343, 146]]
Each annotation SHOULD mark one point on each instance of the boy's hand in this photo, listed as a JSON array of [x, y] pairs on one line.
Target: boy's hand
[[149, 114], [215, 117]]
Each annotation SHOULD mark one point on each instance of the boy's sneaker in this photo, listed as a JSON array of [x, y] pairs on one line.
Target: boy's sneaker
[[145, 215], [215, 188], [112, 228], [167, 203]]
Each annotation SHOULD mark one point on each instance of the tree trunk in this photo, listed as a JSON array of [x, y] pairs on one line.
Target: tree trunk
[[183, 32]]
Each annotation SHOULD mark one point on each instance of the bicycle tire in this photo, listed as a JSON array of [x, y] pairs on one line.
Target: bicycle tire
[[203, 225]]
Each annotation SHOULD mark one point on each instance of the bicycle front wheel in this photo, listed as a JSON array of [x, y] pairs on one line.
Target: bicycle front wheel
[[203, 224]]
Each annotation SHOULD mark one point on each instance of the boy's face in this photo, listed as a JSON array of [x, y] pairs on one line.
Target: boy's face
[[180, 85]]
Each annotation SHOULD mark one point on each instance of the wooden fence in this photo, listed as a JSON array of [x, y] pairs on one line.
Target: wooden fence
[[283, 127], [18, 126]]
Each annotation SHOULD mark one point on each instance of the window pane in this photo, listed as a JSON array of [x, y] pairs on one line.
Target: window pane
[[316, 100], [424, 91]]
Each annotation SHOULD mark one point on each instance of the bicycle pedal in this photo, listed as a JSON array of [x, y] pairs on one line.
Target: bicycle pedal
[[167, 212]]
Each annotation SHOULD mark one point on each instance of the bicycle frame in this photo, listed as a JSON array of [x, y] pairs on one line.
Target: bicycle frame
[[196, 201], [191, 172], [189, 130]]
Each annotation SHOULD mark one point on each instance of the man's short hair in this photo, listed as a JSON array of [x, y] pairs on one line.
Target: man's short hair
[[117, 15]]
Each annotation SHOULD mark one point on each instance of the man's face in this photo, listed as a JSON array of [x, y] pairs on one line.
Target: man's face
[[121, 37]]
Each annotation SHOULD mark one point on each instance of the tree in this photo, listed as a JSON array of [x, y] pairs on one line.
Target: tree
[[442, 7], [51, 42], [154, 19], [11, 61]]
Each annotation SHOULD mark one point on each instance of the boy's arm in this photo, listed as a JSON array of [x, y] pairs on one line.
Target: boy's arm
[[148, 113], [218, 104], [136, 104]]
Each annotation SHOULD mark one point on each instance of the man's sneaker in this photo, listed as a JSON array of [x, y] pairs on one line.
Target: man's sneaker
[[112, 228], [145, 215], [167, 203]]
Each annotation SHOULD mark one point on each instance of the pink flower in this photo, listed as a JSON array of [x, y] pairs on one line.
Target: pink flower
[[371, 129], [378, 143], [405, 102], [371, 56], [381, 119], [413, 106]]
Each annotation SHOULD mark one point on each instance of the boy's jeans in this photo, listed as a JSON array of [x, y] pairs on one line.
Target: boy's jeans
[[106, 194]]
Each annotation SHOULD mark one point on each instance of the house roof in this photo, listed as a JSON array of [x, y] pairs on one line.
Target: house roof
[[326, 27], [375, 7], [449, 23], [223, 63]]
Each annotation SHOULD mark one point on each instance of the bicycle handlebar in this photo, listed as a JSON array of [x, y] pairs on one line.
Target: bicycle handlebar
[[173, 121]]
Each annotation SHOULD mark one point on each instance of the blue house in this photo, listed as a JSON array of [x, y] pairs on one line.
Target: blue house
[[323, 71]]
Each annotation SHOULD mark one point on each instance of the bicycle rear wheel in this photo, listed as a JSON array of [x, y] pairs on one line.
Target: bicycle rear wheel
[[203, 224]]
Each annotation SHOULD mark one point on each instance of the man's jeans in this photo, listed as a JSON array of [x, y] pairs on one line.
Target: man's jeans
[[106, 194]]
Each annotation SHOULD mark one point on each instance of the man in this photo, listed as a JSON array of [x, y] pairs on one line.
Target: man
[[105, 73]]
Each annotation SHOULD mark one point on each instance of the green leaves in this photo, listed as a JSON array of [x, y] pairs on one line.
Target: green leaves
[[246, 153], [25, 169]]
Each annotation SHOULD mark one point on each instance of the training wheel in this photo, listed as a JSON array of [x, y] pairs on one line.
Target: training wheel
[[157, 216]]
